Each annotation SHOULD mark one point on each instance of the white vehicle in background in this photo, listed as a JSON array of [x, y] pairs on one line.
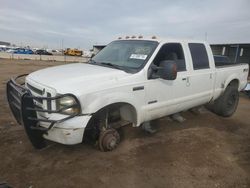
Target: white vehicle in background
[[12, 49], [88, 53], [3, 48], [55, 51], [131, 81]]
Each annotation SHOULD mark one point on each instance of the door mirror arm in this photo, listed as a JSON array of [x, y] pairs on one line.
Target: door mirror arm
[[152, 72]]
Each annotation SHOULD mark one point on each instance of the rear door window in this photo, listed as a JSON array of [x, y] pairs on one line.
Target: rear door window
[[199, 56]]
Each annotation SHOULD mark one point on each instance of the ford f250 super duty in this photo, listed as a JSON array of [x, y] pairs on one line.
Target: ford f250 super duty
[[131, 81]]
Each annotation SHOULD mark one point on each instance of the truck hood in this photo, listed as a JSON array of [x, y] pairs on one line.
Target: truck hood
[[72, 78]]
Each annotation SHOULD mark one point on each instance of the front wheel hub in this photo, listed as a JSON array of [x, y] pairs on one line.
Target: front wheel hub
[[108, 140]]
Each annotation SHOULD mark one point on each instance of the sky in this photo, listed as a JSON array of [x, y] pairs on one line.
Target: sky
[[82, 24]]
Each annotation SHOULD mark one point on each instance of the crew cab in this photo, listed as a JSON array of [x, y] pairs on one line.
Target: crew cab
[[131, 81]]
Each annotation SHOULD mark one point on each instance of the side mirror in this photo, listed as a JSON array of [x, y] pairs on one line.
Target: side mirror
[[167, 70]]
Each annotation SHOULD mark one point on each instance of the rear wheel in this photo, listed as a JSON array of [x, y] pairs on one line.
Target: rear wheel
[[227, 103]]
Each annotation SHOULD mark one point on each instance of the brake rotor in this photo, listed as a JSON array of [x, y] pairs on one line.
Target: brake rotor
[[108, 140]]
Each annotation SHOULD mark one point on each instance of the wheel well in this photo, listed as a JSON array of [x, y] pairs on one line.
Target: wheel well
[[234, 83], [116, 112], [125, 111]]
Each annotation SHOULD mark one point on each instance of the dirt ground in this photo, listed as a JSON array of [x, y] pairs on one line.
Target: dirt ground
[[204, 151]]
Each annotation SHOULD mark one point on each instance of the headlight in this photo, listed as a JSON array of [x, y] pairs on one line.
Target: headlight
[[68, 105]]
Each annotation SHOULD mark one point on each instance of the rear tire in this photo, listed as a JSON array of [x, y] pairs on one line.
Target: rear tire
[[227, 103]]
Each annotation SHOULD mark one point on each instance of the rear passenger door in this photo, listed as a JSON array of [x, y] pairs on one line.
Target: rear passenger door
[[192, 87], [201, 77]]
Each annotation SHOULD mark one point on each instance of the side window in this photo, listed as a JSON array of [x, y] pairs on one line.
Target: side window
[[199, 56], [174, 52]]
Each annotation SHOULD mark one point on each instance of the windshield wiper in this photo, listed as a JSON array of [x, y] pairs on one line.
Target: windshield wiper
[[113, 65], [91, 61]]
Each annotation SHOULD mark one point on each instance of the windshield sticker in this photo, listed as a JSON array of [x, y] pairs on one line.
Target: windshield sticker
[[138, 56]]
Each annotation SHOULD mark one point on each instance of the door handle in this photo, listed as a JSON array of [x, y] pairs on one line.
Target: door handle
[[187, 81], [211, 76]]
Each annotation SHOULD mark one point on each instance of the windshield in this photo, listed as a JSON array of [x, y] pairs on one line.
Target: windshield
[[126, 54]]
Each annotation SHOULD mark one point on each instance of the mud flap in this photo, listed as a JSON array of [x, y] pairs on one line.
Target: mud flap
[[35, 136]]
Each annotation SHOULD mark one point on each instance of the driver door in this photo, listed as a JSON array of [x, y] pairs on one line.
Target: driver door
[[166, 97]]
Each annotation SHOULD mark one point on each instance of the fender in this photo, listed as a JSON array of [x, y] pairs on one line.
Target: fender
[[96, 101], [229, 79]]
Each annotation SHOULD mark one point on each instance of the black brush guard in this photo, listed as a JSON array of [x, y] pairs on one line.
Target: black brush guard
[[22, 105]]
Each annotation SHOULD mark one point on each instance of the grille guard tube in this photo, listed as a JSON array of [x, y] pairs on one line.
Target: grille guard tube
[[24, 110]]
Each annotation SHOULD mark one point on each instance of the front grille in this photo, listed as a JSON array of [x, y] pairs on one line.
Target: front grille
[[34, 89], [48, 102], [40, 93]]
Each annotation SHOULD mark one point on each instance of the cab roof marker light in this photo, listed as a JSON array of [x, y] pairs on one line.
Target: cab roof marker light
[[133, 37], [119, 38], [153, 37], [140, 37], [127, 37]]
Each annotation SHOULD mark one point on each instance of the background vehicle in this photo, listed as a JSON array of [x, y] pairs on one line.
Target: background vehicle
[[3, 48], [22, 51], [10, 50], [73, 52], [130, 81], [42, 52], [55, 52], [88, 54]]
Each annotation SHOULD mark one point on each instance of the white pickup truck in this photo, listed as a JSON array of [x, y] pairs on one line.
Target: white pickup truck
[[131, 81]]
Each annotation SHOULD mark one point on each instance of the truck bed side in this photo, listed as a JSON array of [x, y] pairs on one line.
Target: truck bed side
[[225, 74]]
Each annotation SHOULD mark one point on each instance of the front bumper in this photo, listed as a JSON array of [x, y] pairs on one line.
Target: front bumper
[[22, 105], [68, 132]]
